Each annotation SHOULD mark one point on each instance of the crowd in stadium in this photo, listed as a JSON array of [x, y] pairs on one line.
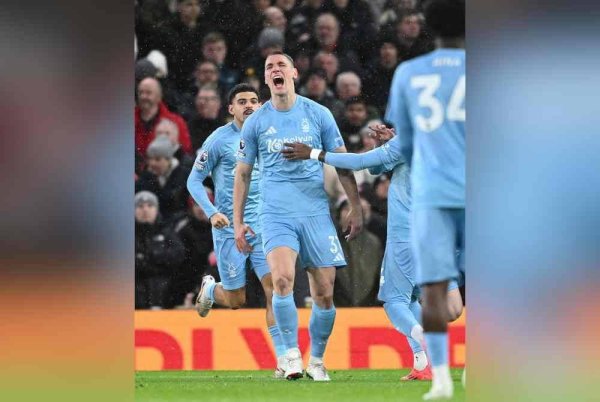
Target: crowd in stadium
[[189, 54]]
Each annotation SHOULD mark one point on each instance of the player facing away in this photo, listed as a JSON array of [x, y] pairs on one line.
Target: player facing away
[[294, 213], [426, 107], [218, 157], [397, 287]]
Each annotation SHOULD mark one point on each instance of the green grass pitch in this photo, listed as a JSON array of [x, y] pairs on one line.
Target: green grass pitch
[[260, 386]]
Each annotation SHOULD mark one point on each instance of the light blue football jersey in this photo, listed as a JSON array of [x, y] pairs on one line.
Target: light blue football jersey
[[217, 157], [385, 158], [427, 108], [289, 188]]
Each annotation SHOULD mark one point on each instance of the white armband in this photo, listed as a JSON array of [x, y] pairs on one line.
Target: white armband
[[314, 154]]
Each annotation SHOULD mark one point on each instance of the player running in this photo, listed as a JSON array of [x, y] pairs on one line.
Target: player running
[[426, 107], [218, 157], [294, 215], [397, 286]]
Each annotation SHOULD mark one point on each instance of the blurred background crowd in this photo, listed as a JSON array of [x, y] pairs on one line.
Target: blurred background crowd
[[189, 54]]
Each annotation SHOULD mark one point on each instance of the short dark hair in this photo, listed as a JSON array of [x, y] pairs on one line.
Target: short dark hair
[[446, 18], [243, 87], [287, 56], [213, 37], [355, 99]]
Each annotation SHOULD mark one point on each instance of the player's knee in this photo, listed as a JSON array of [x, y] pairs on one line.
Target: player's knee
[[283, 285]]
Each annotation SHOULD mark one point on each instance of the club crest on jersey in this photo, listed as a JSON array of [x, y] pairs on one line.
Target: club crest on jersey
[[305, 125], [201, 160]]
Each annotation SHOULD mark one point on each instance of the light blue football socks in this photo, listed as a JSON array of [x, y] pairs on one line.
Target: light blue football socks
[[277, 340], [437, 347], [320, 327], [404, 320], [286, 317]]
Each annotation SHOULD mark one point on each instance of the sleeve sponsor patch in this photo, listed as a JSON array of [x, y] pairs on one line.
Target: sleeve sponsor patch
[[201, 160]]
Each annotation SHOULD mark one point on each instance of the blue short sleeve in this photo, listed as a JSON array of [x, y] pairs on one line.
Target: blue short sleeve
[[331, 138]]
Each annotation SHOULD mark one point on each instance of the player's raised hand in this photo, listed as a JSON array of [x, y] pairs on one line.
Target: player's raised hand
[[295, 151], [240, 237], [355, 223], [219, 221], [382, 133]]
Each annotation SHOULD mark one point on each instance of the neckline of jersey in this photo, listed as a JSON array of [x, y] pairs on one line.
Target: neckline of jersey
[[285, 111]]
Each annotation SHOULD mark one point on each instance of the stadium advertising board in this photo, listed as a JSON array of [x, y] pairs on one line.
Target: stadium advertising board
[[238, 340]]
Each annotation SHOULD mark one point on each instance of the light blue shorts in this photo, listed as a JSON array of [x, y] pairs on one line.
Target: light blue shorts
[[314, 238], [438, 243], [397, 283], [232, 263]]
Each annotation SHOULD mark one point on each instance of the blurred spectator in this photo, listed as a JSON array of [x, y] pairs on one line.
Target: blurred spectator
[[195, 231], [393, 9], [327, 38], [214, 48], [168, 128], [158, 254], [144, 69], [349, 85], [269, 40], [274, 18], [379, 196], [180, 40], [358, 283], [357, 26], [172, 96], [158, 60], [328, 62], [149, 15], [374, 222], [149, 111], [378, 76], [287, 6], [206, 74], [301, 23], [208, 116], [408, 31], [353, 120], [302, 64], [164, 177], [316, 89]]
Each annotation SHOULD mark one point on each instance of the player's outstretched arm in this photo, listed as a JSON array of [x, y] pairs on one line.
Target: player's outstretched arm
[[300, 151], [241, 184]]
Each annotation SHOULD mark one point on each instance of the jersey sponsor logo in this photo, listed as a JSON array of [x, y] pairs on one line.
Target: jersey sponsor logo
[[270, 131], [305, 125], [275, 145], [201, 160]]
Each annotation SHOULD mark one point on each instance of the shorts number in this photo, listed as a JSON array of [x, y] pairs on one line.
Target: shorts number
[[427, 99], [334, 244]]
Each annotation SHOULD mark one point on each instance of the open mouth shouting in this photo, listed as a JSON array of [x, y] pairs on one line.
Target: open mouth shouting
[[248, 112], [278, 81]]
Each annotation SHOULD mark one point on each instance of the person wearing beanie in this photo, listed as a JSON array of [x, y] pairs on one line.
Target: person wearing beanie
[[269, 40], [165, 177], [158, 253], [158, 60]]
